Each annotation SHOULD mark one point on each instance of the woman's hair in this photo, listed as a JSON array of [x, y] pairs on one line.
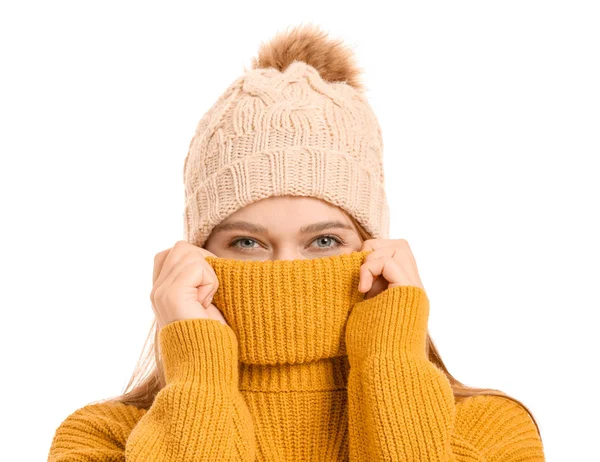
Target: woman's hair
[[148, 377]]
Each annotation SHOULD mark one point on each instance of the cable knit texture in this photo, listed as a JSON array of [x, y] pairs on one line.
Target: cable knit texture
[[307, 369], [276, 133]]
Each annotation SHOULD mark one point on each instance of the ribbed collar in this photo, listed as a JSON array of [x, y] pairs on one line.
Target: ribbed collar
[[289, 317], [288, 311]]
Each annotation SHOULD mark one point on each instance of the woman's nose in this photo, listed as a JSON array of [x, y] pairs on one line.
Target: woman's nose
[[286, 256]]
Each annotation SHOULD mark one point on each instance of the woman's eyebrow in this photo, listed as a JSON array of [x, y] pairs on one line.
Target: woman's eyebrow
[[258, 229], [320, 226], [241, 226]]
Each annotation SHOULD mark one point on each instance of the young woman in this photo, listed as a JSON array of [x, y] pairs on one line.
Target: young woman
[[288, 325]]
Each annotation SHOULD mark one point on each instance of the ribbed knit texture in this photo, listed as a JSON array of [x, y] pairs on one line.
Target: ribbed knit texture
[[306, 370], [275, 133]]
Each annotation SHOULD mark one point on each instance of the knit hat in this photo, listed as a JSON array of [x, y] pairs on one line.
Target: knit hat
[[296, 123]]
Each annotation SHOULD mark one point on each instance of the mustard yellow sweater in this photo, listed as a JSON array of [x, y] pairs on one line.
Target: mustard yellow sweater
[[306, 370]]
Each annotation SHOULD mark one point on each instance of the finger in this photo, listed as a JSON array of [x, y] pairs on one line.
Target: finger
[[368, 278], [210, 284], [183, 256], [386, 248], [207, 298], [399, 251], [384, 252], [412, 258], [206, 253], [374, 244], [193, 274], [413, 262], [369, 271], [174, 256], [159, 260]]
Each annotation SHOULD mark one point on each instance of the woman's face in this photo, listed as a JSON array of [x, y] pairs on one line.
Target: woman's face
[[284, 228]]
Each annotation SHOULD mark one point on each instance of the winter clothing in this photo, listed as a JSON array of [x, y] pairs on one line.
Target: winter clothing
[[306, 370]]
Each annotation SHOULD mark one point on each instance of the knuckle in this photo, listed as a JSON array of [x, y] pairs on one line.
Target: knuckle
[[401, 243], [180, 243], [158, 294], [159, 255]]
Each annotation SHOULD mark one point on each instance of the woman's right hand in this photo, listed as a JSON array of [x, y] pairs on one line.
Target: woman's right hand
[[184, 285]]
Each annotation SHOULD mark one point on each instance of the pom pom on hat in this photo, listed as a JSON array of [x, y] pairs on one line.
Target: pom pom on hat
[[334, 61], [297, 123]]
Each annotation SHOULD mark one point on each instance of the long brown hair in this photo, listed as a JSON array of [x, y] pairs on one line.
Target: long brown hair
[[148, 377]]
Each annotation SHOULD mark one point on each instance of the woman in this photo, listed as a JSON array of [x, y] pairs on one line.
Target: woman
[[288, 325]]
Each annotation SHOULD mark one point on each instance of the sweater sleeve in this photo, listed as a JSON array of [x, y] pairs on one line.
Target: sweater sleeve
[[401, 406], [200, 414]]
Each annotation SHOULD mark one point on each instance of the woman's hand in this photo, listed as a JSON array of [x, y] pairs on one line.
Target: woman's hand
[[390, 264], [184, 285], [394, 323]]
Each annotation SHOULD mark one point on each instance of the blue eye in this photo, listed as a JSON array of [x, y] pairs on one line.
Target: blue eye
[[328, 238], [333, 242], [244, 240]]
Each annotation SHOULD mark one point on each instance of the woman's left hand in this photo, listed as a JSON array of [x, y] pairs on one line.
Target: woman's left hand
[[390, 264]]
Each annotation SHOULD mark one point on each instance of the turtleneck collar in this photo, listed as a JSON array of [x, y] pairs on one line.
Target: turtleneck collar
[[288, 311]]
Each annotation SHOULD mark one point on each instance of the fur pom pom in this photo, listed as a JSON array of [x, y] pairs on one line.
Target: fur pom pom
[[334, 61]]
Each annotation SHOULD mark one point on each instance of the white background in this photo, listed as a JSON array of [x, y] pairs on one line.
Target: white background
[[490, 113]]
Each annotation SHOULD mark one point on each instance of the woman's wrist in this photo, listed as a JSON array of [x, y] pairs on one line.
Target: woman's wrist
[[391, 324]]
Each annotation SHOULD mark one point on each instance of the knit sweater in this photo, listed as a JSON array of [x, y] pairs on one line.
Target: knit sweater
[[307, 369]]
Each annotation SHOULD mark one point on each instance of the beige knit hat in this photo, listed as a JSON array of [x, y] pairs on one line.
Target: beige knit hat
[[297, 123]]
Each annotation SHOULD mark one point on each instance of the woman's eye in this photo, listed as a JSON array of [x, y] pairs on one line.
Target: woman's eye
[[323, 243], [244, 241], [327, 242]]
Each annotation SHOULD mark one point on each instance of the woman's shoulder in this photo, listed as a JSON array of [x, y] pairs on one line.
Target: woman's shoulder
[[105, 425], [499, 425], [114, 411], [491, 405]]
